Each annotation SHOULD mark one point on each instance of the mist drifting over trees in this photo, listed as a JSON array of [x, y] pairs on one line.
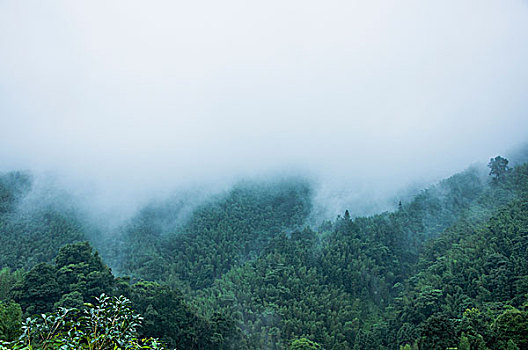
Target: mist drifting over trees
[[127, 101]]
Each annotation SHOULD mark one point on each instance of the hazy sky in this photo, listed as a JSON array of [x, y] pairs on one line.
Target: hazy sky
[[135, 96]]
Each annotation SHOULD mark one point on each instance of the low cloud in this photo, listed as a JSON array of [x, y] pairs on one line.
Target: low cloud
[[125, 101]]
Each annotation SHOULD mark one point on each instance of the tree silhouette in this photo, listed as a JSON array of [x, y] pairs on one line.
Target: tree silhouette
[[498, 167]]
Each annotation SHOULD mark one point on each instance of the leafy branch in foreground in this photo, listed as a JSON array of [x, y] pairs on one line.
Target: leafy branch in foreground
[[109, 324]]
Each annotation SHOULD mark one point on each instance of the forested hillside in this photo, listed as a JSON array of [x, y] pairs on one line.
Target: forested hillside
[[31, 236], [244, 270], [217, 236]]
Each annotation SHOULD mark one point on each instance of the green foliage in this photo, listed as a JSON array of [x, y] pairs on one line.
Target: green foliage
[[39, 290], [498, 168], [168, 317], [511, 345], [438, 332], [512, 327], [8, 280], [448, 268], [77, 277], [321, 285], [81, 270], [304, 344], [279, 297], [218, 236], [475, 325], [79, 273], [10, 320], [464, 343], [109, 324]]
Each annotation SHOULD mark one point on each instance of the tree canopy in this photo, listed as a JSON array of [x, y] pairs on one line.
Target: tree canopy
[[447, 268]]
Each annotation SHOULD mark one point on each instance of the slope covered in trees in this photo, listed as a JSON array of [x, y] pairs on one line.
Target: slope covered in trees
[[31, 236], [218, 235], [243, 270]]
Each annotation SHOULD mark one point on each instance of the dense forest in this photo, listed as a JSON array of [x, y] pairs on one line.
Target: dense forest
[[251, 269]]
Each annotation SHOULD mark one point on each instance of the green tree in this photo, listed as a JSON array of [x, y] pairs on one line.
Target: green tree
[[464, 343], [498, 167], [437, 333], [512, 325], [39, 290], [168, 317], [10, 320], [8, 280], [78, 276], [81, 270]]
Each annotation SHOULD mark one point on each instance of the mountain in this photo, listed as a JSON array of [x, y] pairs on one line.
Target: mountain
[[244, 269]]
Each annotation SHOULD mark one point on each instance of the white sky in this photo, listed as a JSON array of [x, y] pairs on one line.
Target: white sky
[[140, 96]]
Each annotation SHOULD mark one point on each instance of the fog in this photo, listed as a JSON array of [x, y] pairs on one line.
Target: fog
[[124, 101]]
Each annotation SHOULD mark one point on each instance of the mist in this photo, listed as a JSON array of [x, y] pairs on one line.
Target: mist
[[125, 101]]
